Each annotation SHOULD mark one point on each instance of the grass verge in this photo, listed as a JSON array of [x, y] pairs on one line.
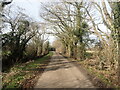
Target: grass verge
[[108, 77], [20, 74]]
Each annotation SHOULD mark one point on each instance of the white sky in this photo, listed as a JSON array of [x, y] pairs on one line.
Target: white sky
[[32, 7]]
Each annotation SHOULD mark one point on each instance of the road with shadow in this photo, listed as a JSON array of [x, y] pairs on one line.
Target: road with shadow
[[61, 73]]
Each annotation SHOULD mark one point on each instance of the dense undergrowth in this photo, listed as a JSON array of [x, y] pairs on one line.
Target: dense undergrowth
[[108, 76]]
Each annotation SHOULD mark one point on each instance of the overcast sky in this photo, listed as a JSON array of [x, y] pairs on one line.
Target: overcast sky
[[32, 7]]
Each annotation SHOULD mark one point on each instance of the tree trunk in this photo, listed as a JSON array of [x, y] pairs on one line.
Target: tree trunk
[[75, 51]]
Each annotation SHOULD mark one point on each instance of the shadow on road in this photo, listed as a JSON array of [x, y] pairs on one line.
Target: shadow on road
[[57, 62]]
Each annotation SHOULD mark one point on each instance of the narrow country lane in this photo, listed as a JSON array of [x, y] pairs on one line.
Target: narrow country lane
[[61, 73]]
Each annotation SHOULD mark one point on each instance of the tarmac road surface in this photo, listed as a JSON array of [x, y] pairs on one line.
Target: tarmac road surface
[[61, 73]]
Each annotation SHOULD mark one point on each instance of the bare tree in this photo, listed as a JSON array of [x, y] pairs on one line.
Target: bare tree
[[67, 20]]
